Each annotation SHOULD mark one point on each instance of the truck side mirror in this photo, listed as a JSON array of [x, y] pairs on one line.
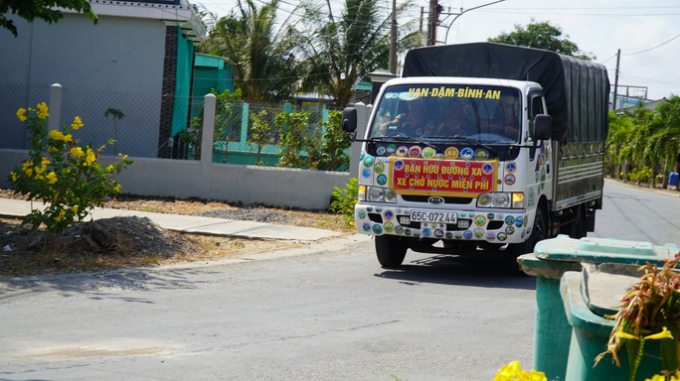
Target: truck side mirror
[[542, 127], [349, 122]]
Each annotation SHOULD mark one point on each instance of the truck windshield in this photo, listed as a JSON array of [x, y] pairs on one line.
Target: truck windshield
[[489, 114]]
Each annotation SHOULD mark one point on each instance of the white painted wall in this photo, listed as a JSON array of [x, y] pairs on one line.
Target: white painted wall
[[281, 187]]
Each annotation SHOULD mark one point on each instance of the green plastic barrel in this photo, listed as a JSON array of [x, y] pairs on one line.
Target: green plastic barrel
[[549, 261]]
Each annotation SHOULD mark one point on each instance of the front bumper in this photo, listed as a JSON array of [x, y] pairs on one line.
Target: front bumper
[[506, 226]]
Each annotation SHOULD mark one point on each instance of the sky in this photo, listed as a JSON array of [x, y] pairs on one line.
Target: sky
[[647, 32]]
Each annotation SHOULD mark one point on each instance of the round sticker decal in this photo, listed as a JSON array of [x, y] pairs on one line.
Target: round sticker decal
[[428, 152], [479, 232], [414, 151], [502, 236], [480, 220], [449, 235], [366, 172], [451, 153], [381, 151], [389, 227], [509, 220], [487, 169], [482, 154], [510, 179], [511, 167], [407, 231], [398, 229], [361, 214], [391, 148], [467, 153], [377, 229], [519, 221], [490, 236], [510, 230], [366, 226], [402, 151], [379, 168], [388, 214], [381, 180], [426, 232], [438, 233], [368, 162], [467, 234], [398, 165]]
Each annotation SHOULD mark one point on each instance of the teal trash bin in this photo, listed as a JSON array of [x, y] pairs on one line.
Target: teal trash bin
[[588, 297], [549, 261]]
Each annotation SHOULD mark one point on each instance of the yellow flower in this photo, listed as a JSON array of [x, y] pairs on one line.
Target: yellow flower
[[75, 209], [51, 177], [77, 152], [56, 135], [14, 176], [624, 335], [61, 214], [90, 157], [117, 188], [68, 138], [21, 114], [109, 168], [664, 334], [77, 123], [45, 161], [26, 165], [42, 110]]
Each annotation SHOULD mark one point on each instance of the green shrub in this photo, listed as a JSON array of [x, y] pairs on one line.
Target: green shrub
[[62, 174], [345, 199]]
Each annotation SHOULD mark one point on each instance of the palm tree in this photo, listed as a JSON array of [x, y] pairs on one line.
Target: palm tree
[[342, 50], [263, 56], [665, 140]]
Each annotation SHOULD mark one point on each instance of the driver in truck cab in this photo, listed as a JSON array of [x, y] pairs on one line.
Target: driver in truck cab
[[412, 124], [505, 122]]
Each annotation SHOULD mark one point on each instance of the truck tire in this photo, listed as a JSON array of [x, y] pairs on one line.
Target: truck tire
[[391, 250], [539, 232], [581, 223]]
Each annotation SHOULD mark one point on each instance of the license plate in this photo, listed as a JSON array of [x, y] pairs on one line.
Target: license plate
[[427, 216]]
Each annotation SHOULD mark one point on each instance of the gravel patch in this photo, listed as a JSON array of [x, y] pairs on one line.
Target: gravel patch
[[247, 215]]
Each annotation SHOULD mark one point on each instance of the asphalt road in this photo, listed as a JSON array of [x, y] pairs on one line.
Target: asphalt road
[[323, 312]]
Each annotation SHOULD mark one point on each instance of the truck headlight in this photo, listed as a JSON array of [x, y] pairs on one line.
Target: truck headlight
[[501, 200], [378, 194]]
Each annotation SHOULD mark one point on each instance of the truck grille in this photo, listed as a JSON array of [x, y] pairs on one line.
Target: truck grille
[[447, 200]]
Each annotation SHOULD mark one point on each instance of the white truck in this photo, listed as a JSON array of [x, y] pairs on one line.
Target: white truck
[[484, 147]]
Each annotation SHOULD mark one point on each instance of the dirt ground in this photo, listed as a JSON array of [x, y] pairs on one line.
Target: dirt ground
[[119, 242]]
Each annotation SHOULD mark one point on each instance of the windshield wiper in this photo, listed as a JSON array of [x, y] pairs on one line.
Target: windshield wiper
[[469, 140], [402, 138]]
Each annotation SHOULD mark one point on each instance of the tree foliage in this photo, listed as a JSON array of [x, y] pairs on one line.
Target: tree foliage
[[262, 55], [41, 9], [642, 144], [542, 36], [342, 50]]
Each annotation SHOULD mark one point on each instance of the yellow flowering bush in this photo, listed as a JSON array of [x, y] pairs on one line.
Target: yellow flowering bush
[[61, 173], [513, 372]]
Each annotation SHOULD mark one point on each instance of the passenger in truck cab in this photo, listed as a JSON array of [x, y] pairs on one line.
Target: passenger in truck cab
[[505, 122], [459, 120], [413, 124]]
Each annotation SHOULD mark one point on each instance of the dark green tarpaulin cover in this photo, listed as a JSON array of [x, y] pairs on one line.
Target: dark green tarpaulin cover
[[576, 91]]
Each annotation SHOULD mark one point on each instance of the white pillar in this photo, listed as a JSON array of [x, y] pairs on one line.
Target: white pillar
[[54, 120], [208, 129]]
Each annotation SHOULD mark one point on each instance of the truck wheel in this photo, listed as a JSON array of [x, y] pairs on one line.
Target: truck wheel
[[581, 223], [539, 232], [391, 250]]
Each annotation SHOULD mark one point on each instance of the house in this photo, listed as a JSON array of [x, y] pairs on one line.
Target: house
[[138, 59]]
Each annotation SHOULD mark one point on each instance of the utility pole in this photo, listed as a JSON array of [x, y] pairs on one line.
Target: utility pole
[[393, 39], [431, 24], [616, 79]]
